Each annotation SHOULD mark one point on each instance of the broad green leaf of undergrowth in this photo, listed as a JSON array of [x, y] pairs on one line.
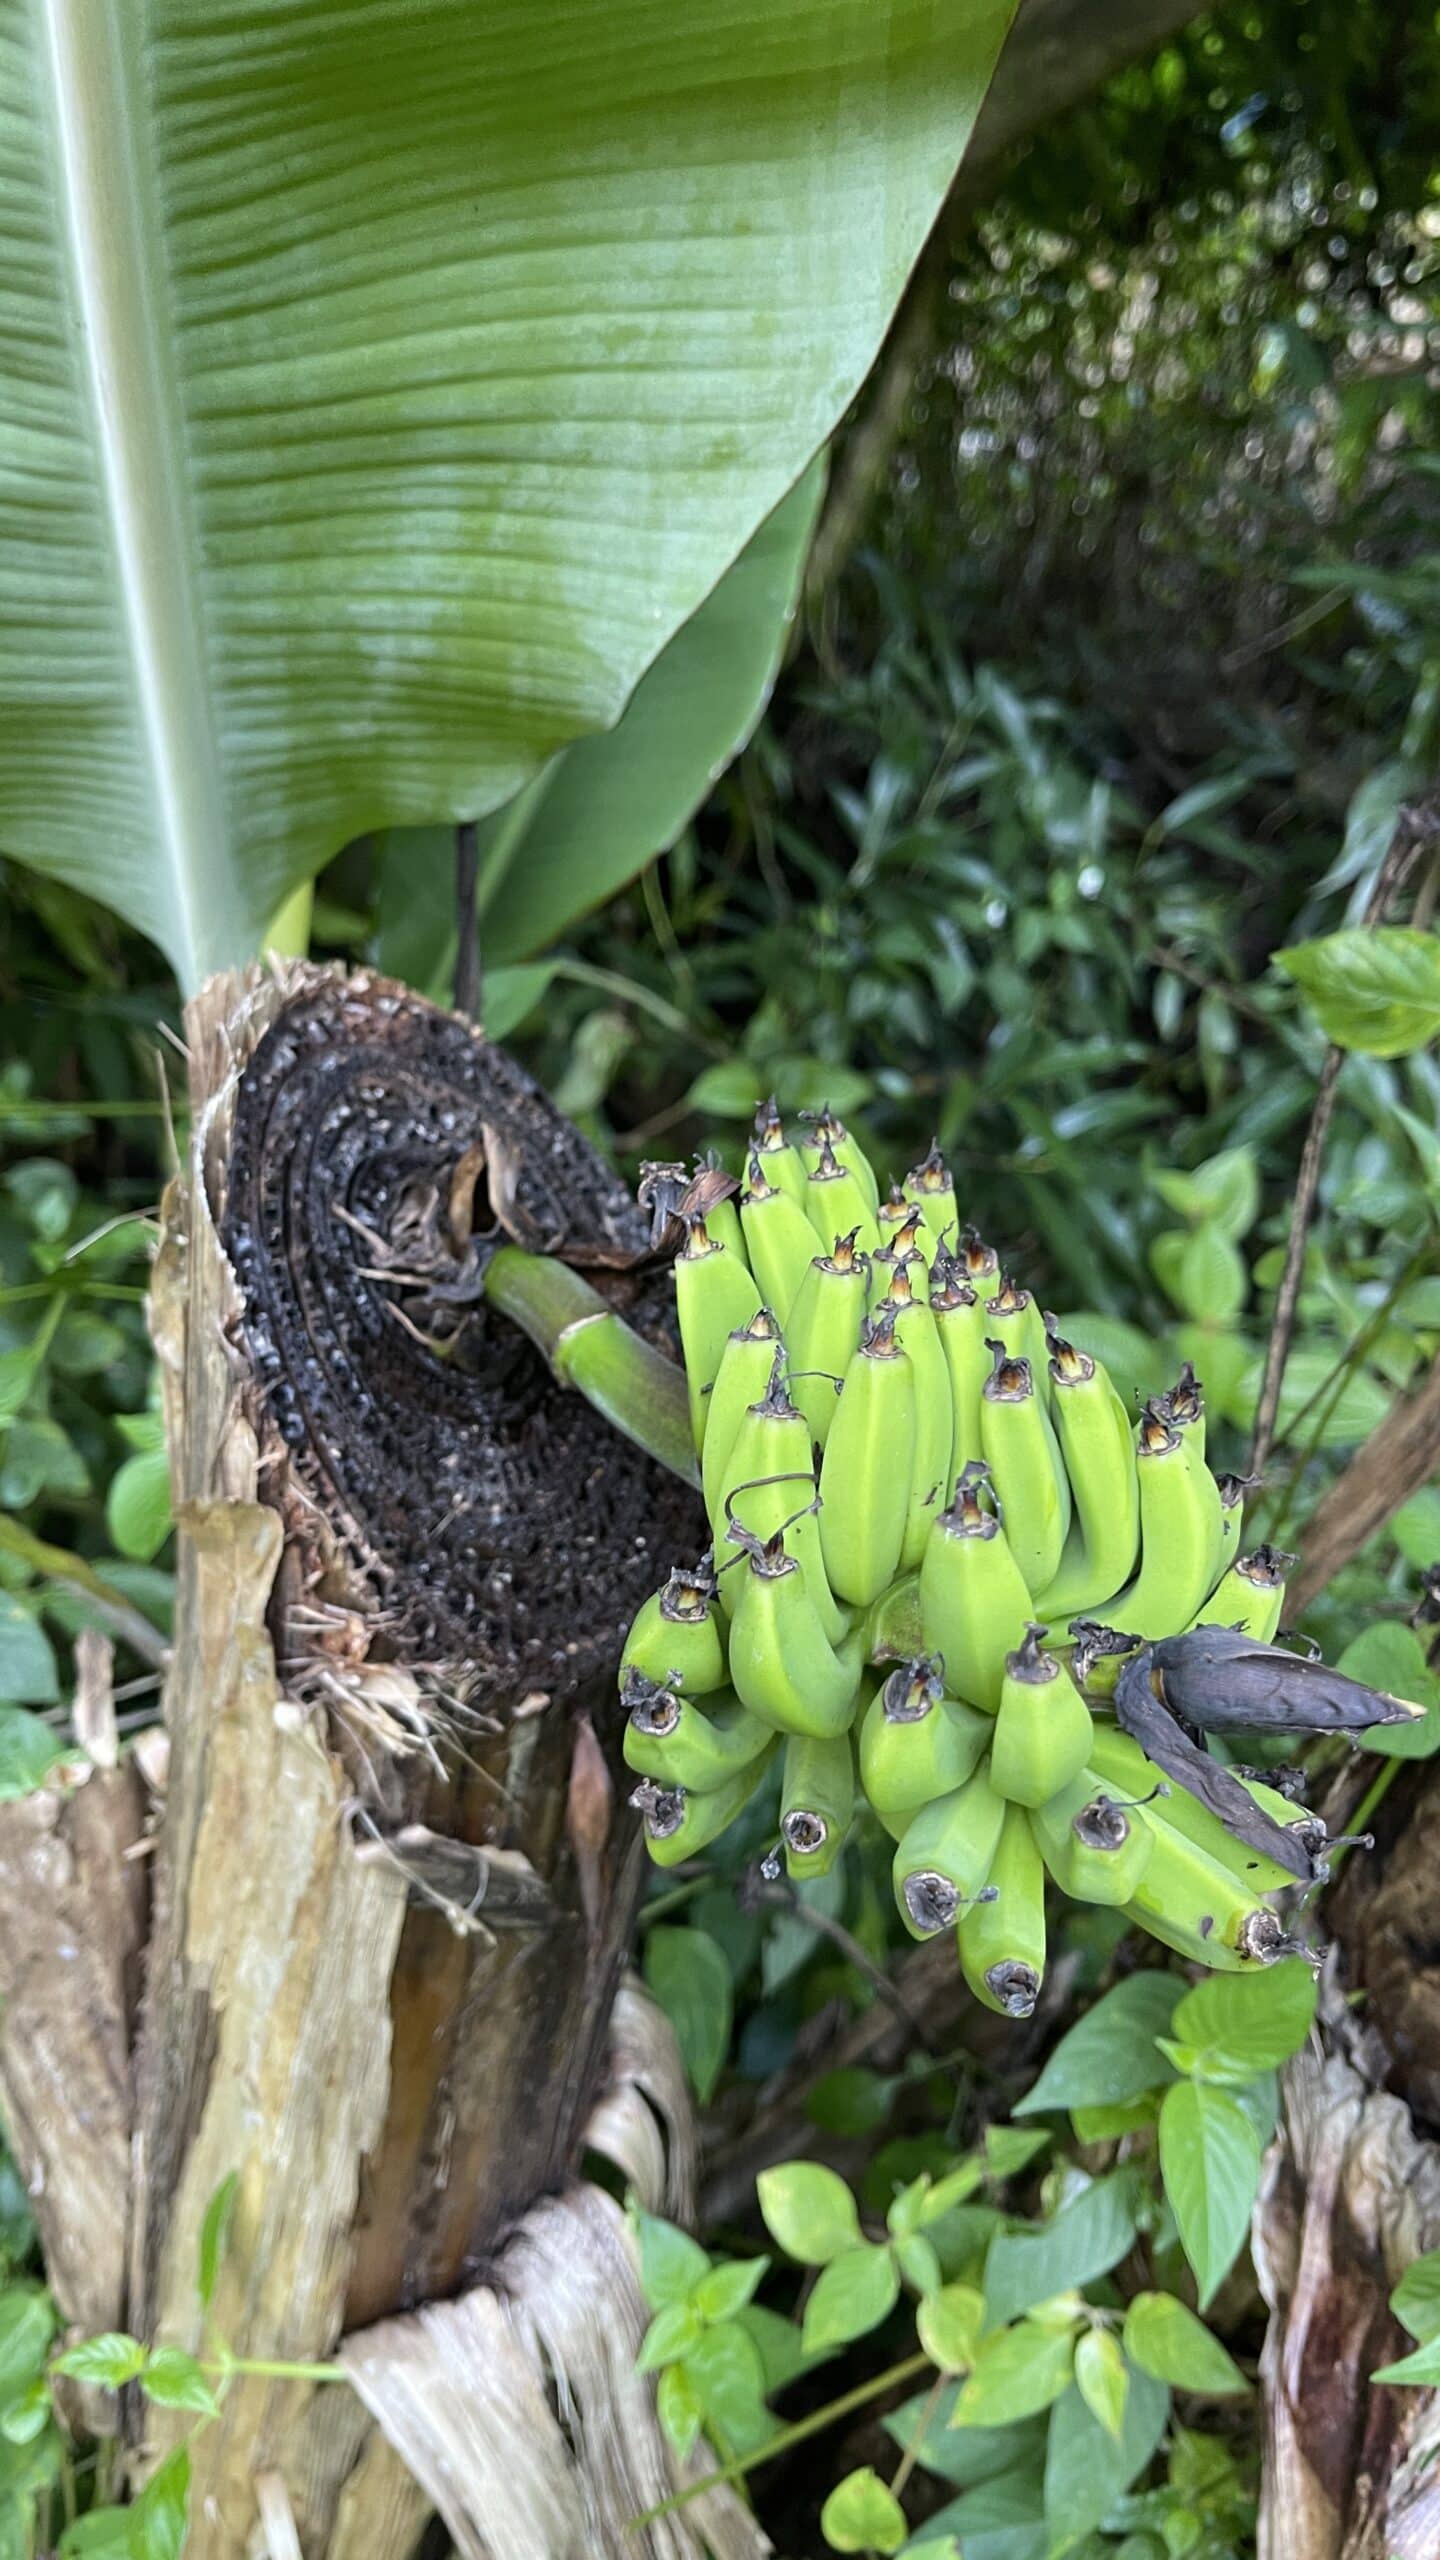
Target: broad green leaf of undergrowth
[[1210, 2162], [400, 380], [690, 1978], [1374, 990], [809, 2211], [1110, 2056]]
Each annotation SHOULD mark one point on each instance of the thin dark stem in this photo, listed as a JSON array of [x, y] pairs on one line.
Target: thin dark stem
[[1415, 833], [467, 931], [783, 1897]]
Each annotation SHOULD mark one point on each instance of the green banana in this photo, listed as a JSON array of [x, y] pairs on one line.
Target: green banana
[[1179, 1533], [675, 1636], [822, 1332], [1098, 1450], [746, 1367], [1043, 1727], [918, 1335], [714, 1296], [1190, 1902], [1023, 1456], [679, 1823], [944, 1858], [827, 1129], [893, 1632], [915, 1743], [959, 1315], [779, 1240], [768, 1485], [974, 1600], [680, 1744], [979, 1263], [892, 1214], [783, 1164], [837, 1202], [1014, 1319], [1002, 1943], [930, 1186], [1121, 1763], [722, 1224], [1096, 1848], [1183, 1406], [1232, 1491], [782, 1662], [817, 1802], [867, 1468], [1250, 1596], [887, 1266]]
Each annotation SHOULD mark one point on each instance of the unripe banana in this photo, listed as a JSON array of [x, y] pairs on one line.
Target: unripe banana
[[1002, 1943], [946, 1855], [868, 1467], [918, 1335], [1179, 1533], [1096, 1445], [888, 1265], [817, 1803], [782, 1663], [959, 1315], [714, 1296], [1190, 1902], [893, 1630], [678, 1824], [827, 1129], [680, 1744], [722, 1224], [974, 1600], [1096, 1848], [1250, 1596], [746, 1367], [1021, 1452], [675, 1636], [1014, 1319], [1043, 1727], [930, 1186], [1183, 1406], [1122, 1764], [915, 1743], [1232, 1491], [779, 1240], [979, 1263], [892, 1214], [784, 1166], [822, 1332], [836, 1203], [768, 1486]]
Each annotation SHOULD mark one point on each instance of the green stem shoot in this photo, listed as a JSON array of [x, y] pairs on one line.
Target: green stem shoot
[[639, 1391], [788, 2436]]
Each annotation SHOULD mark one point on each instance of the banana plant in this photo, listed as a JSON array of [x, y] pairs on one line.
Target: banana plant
[[382, 389]]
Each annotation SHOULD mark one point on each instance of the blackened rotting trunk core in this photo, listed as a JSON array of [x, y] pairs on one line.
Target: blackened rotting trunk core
[[380, 1149]]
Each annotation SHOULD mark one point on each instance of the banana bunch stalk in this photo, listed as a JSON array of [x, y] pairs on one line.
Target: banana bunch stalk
[[953, 1581]]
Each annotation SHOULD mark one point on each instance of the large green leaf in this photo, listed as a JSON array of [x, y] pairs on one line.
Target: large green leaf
[[383, 386], [599, 810]]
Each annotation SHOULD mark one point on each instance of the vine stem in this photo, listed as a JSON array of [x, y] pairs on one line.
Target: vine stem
[[271, 2369], [638, 1390], [788, 2436]]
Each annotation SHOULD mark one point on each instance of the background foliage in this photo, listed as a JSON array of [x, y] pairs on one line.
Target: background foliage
[[1118, 699]]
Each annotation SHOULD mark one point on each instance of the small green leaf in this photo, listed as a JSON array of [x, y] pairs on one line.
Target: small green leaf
[[678, 2409], [1164, 2338], [1018, 2372], [906, 2210], [1373, 989], [173, 2380], [137, 1507], [28, 1673], [1009, 2148], [1210, 2163], [727, 2289], [671, 2334], [1389, 1656], [27, 2325], [1110, 2056], [954, 2188], [918, 2264], [24, 2417], [861, 2514], [808, 2210], [671, 2263], [108, 2360], [1108, 2124], [853, 2294], [1422, 2365], [690, 1978], [1087, 2237], [854, 2101], [1246, 2023], [1101, 2380], [1416, 2298], [103, 2534], [28, 1752], [727, 2376], [1087, 2469], [157, 2519], [948, 2326], [215, 2237], [1210, 1280]]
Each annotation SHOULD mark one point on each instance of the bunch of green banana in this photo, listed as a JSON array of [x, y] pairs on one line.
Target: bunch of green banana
[[937, 1536]]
